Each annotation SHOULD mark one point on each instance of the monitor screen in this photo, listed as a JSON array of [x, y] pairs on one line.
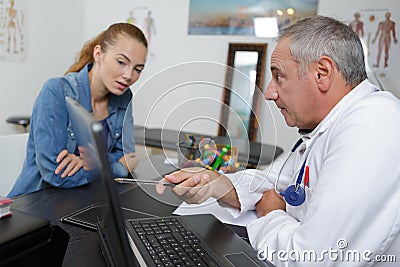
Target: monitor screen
[[93, 150]]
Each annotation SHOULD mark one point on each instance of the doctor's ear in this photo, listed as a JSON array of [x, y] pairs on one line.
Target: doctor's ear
[[324, 73]]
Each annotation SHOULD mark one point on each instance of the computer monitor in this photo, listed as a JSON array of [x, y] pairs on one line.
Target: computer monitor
[[110, 223], [219, 245]]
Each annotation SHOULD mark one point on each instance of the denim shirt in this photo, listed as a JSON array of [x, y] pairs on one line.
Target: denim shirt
[[51, 132]]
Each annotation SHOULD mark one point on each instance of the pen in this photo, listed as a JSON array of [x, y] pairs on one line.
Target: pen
[[221, 155], [307, 177], [134, 181]]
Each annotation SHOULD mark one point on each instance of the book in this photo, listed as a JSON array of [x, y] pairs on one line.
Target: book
[[5, 207]]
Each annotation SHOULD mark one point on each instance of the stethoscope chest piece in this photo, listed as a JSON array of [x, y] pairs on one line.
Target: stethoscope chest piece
[[294, 196]]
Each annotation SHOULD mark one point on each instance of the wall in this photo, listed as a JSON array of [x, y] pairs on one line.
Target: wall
[[57, 30], [55, 33], [163, 87], [165, 83]]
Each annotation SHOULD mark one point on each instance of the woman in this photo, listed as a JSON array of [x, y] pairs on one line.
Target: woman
[[99, 81]]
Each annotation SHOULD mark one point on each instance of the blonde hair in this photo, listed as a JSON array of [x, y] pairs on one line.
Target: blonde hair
[[106, 39]]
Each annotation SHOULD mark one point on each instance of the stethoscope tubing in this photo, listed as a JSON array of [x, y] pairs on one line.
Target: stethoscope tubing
[[294, 148]]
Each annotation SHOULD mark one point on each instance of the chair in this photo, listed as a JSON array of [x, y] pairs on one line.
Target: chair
[[24, 121], [11, 160]]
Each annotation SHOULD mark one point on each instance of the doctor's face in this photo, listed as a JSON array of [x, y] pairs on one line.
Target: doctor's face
[[293, 94]]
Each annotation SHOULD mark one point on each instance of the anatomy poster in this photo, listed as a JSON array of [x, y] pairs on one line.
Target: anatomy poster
[[12, 30], [144, 18]]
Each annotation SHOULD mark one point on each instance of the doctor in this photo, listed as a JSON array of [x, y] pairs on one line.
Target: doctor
[[335, 199]]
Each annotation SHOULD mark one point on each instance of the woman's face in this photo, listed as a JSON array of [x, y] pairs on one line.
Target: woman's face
[[121, 65]]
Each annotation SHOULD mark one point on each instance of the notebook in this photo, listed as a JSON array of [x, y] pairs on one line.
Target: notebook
[[191, 240], [27, 240], [20, 224]]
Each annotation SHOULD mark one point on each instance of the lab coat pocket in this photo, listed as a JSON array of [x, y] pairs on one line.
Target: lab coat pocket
[[308, 192]]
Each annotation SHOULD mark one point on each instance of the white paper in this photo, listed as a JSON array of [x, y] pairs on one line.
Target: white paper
[[212, 207], [171, 161]]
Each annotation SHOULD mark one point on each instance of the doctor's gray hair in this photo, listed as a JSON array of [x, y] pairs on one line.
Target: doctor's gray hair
[[317, 36]]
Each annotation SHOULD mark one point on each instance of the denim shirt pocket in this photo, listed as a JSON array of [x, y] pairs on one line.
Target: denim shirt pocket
[[71, 140]]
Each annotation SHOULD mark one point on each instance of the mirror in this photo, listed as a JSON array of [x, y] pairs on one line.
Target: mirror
[[244, 81]]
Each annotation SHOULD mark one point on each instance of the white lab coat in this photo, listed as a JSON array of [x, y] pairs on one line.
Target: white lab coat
[[353, 200]]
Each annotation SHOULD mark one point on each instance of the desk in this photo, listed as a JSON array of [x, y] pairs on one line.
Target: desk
[[250, 153], [54, 203], [83, 248]]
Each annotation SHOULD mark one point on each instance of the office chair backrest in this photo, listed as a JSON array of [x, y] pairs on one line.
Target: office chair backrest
[[12, 155]]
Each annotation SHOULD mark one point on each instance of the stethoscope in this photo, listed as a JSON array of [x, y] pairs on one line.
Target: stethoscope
[[294, 195]]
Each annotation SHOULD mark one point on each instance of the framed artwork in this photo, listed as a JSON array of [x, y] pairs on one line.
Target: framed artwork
[[246, 17]]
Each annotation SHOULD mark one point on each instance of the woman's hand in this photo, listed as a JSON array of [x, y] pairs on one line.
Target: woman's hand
[[88, 158], [130, 161], [70, 162]]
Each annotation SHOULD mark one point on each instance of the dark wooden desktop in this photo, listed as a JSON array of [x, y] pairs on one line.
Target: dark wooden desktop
[[83, 247], [53, 203]]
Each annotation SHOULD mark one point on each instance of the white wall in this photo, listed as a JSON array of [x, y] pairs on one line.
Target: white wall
[[172, 48], [57, 30], [54, 35]]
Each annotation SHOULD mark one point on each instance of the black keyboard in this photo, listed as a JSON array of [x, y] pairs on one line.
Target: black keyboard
[[169, 243]]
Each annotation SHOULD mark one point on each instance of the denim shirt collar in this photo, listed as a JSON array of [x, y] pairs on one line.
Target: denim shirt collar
[[84, 84]]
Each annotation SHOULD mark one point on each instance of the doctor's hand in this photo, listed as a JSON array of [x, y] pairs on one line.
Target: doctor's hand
[[196, 185], [270, 201], [71, 162]]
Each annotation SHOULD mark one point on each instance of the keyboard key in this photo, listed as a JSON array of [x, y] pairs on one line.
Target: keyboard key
[[170, 244]]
